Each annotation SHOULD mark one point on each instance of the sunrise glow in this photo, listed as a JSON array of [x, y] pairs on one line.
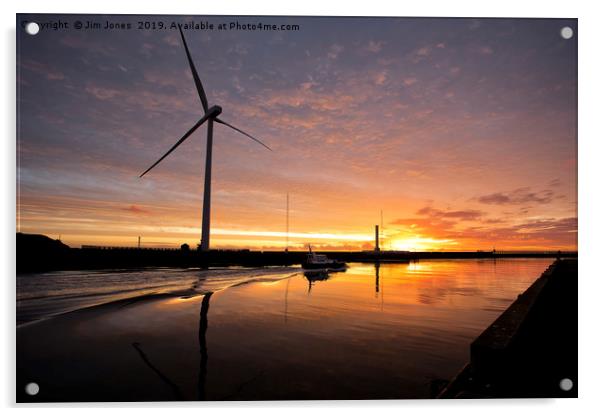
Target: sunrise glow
[[462, 142]]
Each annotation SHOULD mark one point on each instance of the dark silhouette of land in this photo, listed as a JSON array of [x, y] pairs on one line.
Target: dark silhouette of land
[[36, 253]]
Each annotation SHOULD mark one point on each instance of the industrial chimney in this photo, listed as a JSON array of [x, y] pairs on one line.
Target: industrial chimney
[[376, 245]]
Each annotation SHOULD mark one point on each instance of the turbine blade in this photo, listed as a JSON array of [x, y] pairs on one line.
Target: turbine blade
[[242, 132], [179, 142], [195, 75]]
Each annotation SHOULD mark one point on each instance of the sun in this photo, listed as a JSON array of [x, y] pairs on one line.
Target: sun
[[418, 243]]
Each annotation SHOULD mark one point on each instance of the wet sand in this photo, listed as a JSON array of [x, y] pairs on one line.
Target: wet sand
[[369, 333]]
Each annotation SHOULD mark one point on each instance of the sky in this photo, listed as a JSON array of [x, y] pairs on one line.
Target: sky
[[462, 132]]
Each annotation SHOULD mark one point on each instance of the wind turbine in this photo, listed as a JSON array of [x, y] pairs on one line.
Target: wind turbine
[[210, 116]]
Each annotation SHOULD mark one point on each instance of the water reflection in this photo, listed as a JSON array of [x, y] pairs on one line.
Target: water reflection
[[416, 267], [377, 274], [288, 282], [174, 387], [203, 344], [434, 310], [379, 286], [313, 276], [302, 349]]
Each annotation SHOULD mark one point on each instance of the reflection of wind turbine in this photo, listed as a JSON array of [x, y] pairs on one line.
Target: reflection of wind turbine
[[210, 115], [203, 344]]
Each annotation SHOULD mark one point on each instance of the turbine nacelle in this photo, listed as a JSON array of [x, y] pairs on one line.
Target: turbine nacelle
[[214, 111]]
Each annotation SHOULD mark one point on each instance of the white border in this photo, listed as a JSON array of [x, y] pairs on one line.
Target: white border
[[590, 207]]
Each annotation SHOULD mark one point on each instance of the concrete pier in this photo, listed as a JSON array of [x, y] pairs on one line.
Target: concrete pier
[[531, 348]]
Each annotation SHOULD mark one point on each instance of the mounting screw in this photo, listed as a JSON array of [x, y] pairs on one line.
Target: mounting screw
[[32, 28], [566, 32], [32, 389], [566, 384]]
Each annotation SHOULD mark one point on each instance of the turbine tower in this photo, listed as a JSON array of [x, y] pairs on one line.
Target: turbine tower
[[210, 115]]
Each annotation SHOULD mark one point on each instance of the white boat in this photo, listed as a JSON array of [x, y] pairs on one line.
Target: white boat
[[320, 261]]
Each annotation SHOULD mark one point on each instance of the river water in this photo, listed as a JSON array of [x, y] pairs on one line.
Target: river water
[[371, 332]]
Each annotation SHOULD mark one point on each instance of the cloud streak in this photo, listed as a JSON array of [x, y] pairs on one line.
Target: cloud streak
[[518, 197]]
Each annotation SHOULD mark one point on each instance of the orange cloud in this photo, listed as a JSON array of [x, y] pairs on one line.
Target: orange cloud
[[137, 210]]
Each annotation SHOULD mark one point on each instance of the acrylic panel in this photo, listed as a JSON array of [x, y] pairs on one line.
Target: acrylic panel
[[295, 208]]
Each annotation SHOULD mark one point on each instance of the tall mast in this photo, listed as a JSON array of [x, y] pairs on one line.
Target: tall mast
[[287, 220]]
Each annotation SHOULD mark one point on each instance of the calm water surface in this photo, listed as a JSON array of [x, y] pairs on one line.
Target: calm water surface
[[373, 331]]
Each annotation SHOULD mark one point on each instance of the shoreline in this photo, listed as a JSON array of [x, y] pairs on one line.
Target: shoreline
[[184, 283], [134, 258]]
